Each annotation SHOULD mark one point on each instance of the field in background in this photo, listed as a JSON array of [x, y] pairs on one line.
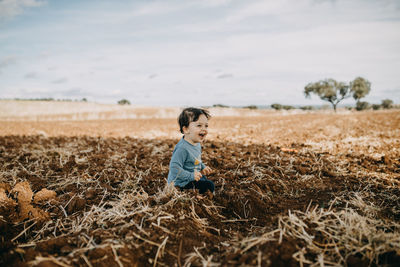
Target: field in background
[[292, 188], [369, 132], [12, 110]]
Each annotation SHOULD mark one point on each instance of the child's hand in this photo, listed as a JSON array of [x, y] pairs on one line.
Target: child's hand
[[197, 175], [206, 171]]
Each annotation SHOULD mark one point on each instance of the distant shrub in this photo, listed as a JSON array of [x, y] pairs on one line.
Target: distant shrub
[[124, 102], [35, 99], [287, 107], [276, 106], [220, 106], [387, 104], [362, 105], [251, 107], [50, 99], [307, 108], [376, 106]]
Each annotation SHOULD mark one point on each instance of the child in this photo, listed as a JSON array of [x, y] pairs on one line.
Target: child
[[185, 168]]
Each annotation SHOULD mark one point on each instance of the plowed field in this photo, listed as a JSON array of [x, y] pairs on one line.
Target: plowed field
[[295, 189]]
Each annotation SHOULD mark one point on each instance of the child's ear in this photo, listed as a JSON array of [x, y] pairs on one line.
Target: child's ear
[[185, 129]]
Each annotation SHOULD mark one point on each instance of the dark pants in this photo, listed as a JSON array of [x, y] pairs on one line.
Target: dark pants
[[203, 185]]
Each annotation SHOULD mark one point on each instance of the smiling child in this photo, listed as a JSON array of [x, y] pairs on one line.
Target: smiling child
[[186, 170]]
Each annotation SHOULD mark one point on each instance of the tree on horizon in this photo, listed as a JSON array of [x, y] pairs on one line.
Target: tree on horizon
[[334, 92]]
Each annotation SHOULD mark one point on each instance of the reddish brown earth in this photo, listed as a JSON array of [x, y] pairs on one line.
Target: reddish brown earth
[[107, 205]]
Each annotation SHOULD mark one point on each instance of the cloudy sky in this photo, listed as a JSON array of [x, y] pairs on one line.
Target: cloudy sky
[[196, 52]]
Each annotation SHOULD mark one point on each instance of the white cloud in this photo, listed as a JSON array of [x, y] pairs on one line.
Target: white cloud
[[12, 8], [258, 8], [164, 7], [30, 75], [7, 61], [156, 8], [225, 76], [213, 3], [60, 80]]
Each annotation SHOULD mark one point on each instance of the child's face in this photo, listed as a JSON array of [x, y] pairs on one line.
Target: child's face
[[197, 130]]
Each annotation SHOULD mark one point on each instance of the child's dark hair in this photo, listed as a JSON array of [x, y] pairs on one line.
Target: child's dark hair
[[191, 114]]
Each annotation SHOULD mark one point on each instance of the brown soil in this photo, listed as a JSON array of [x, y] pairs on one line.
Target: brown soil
[[71, 199]]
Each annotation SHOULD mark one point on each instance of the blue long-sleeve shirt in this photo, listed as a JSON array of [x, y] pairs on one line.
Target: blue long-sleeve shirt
[[185, 159]]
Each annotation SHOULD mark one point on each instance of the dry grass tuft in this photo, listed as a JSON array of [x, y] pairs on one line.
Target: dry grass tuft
[[331, 237]]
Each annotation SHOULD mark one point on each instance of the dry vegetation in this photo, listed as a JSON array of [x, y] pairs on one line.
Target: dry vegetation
[[306, 189]]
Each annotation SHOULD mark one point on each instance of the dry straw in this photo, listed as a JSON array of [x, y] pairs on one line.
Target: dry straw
[[334, 235]]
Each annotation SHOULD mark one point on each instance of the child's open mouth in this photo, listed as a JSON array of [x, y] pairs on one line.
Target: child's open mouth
[[202, 135]]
